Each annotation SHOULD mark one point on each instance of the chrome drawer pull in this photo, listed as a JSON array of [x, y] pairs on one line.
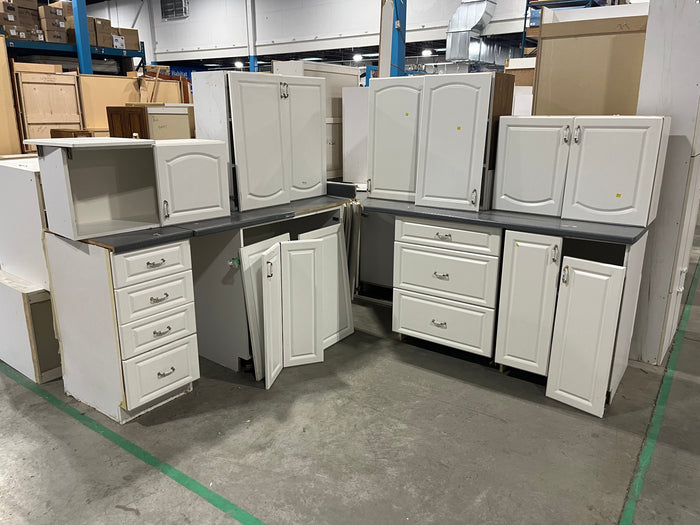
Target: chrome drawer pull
[[439, 324], [444, 236], [161, 333], [156, 300], [565, 275], [442, 276], [555, 254], [150, 264], [161, 375]]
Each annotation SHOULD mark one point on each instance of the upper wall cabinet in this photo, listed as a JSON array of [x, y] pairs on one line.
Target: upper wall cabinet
[[394, 120]]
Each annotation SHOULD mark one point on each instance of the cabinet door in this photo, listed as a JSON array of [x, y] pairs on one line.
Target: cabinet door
[[304, 118], [531, 164], [336, 318], [394, 116], [611, 170], [529, 282], [192, 180], [584, 333], [302, 298], [453, 129], [260, 141], [271, 279], [125, 121]]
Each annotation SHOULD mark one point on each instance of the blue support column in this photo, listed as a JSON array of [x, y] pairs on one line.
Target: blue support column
[[398, 40], [253, 61], [82, 37]]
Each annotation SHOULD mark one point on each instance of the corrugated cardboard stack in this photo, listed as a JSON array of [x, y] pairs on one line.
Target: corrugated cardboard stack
[[104, 32], [20, 20], [53, 23], [70, 26]]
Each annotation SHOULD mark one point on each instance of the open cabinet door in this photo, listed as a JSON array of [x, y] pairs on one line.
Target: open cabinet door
[[336, 318], [302, 296], [271, 280], [252, 269]]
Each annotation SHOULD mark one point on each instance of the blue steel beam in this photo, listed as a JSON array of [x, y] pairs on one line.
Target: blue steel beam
[[253, 61], [82, 37], [398, 40]]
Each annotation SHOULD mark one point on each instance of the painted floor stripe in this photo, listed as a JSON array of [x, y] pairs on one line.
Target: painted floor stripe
[[183, 479], [657, 417]]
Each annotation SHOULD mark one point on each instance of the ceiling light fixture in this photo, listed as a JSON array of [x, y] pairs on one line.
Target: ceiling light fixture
[[427, 53], [238, 64], [357, 57]]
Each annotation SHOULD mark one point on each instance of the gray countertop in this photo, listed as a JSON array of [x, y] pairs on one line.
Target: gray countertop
[[510, 220]]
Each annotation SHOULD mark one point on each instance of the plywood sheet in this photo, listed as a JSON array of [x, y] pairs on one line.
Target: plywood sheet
[[168, 91], [9, 134], [99, 91], [27, 67]]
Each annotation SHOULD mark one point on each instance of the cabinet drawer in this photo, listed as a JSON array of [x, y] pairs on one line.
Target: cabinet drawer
[[153, 297], [151, 263], [467, 277], [151, 375], [475, 239], [450, 323], [154, 331]]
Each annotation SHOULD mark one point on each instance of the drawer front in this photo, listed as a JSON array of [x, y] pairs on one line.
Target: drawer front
[[153, 297], [143, 265], [475, 239], [156, 330], [154, 374], [450, 323], [454, 275]]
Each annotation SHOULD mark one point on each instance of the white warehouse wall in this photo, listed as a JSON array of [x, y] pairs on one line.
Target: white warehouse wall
[[217, 28]]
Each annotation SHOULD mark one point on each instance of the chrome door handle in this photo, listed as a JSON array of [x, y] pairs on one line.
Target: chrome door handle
[[443, 236], [555, 254], [150, 264], [161, 375], [577, 135], [166, 209], [567, 134], [161, 333], [281, 89], [565, 275], [439, 324], [269, 269], [442, 276], [474, 196], [156, 300]]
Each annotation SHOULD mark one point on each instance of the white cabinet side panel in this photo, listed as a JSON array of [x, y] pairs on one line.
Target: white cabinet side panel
[[355, 131], [58, 200], [16, 347], [272, 314]]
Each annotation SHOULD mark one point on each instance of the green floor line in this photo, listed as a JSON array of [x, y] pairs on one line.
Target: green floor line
[[183, 479], [657, 417]]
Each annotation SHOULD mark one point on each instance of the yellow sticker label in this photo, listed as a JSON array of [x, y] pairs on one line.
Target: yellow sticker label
[[619, 195], [517, 245], [406, 114], [459, 127]]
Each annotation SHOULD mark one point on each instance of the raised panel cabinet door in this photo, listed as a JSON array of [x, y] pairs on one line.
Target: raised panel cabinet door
[[192, 180], [302, 301], [260, 141], [394, 118], [585, 326], [612, 166], [305, 119], [531, 164], [336, 318], [454, 125], [529, 282], [271, 280], [125, 121]]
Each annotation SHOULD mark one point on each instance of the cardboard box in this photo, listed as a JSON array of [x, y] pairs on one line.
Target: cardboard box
[[16, 33], [28, 17], [37, 35], [8, 8], [131, 38], [104, 40], [46, 11], [70, 28], [25, 4], [57, 37], [8, 19], [67, 7], [53, 24], [102, 25]]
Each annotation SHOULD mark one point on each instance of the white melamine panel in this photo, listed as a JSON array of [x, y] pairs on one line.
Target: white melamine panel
[[150, 263], [272, 314], [450, 323], [612, 166], [467, 238], [302, 301], [305, 119], [334, 149], [392, 144], [454, 126], [260, 141], [252, 269], [584, 333], [529, 282], [153, 297], [154, 374], [531, 164], [466, 277], [192, 180], [355, 130], [147, 334], [336, 319]]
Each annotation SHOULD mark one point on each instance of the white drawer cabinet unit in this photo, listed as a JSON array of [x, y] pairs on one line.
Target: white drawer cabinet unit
[[445, 283], [126, 324], [103, 186], [601, 169]]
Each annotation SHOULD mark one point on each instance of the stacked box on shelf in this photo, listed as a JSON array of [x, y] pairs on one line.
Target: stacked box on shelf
[[103, 32], [70, 29], [53, 24]]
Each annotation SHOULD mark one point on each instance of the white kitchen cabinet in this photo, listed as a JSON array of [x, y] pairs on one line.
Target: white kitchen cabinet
[[529, 283], [531, 163], [615, 169], [271, 280], [584, 333], [394, 125], [454, 126], [354, 130]]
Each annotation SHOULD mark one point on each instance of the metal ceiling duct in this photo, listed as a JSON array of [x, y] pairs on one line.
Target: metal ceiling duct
[[470, 19]]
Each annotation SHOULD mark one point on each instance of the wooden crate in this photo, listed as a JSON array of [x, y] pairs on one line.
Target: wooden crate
[[9, 133], [71, 133], [99, 91], [158, 90]]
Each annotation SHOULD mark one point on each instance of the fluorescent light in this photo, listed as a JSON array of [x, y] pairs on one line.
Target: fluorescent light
[[440, 49], [238, 64], [357, 57], [370, 55], [427, 53], [313, 59], [211, 65]]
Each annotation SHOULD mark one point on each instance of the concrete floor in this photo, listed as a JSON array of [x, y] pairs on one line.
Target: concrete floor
[[382, 432]]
